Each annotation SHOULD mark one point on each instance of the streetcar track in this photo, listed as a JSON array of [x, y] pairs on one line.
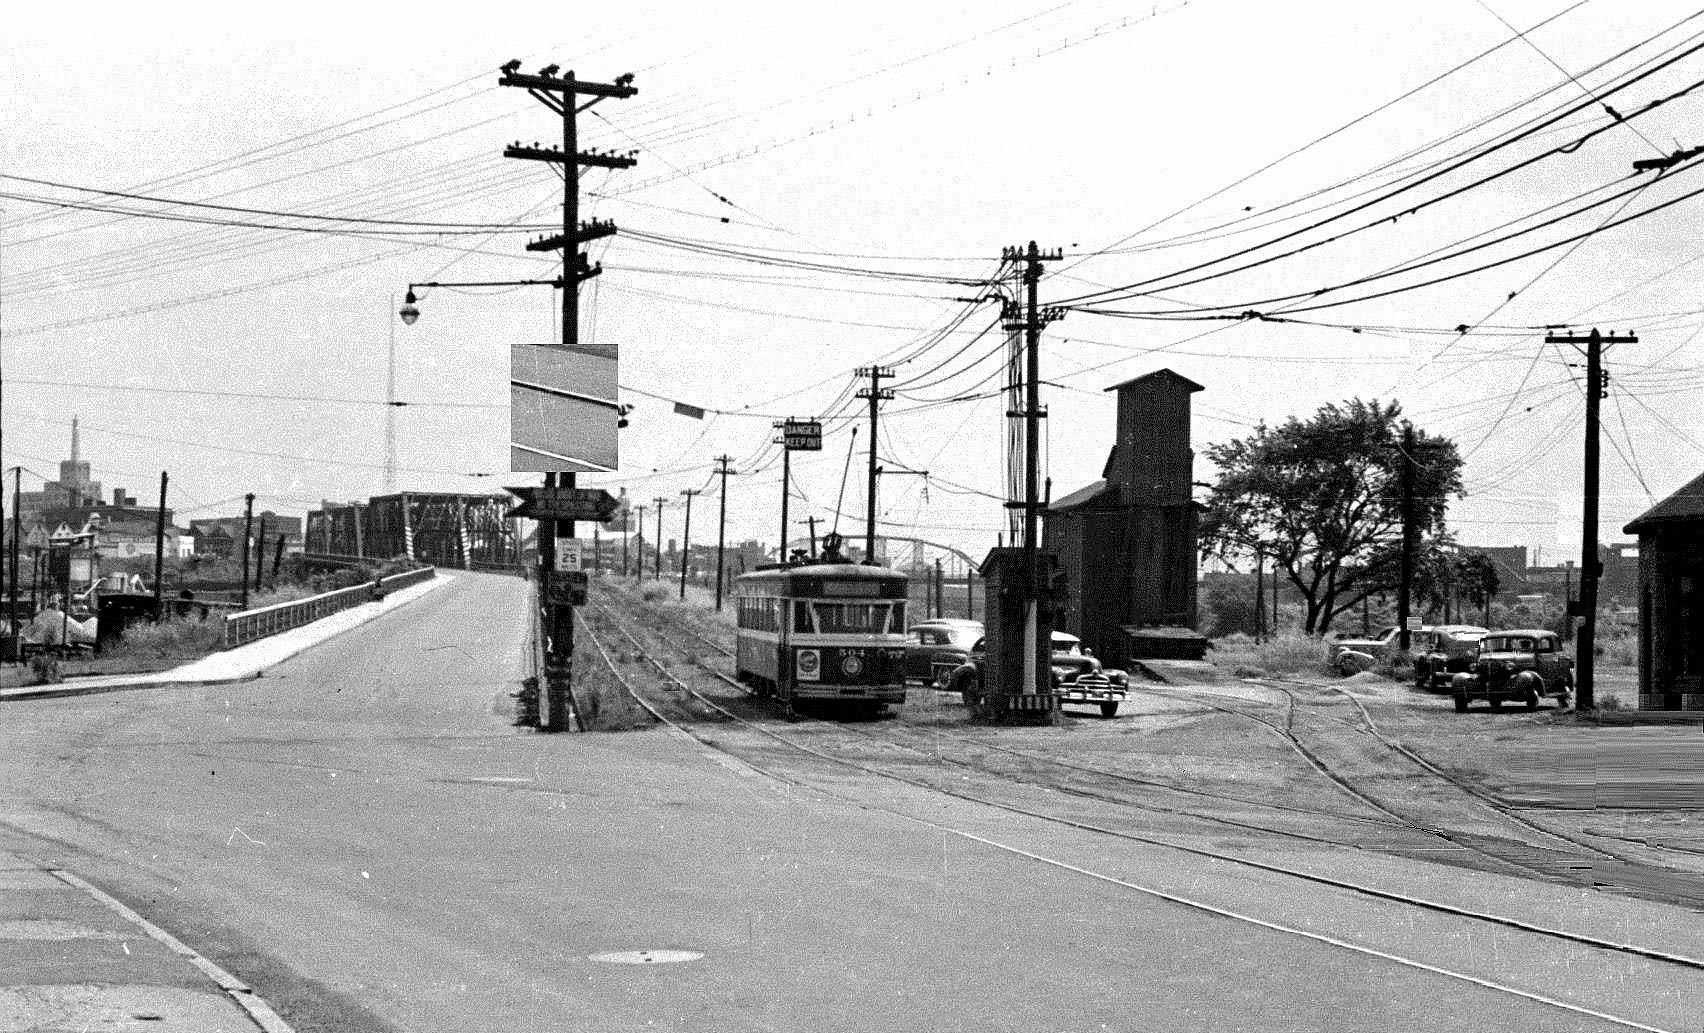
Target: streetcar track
[[1529, 859], [1421, 903]]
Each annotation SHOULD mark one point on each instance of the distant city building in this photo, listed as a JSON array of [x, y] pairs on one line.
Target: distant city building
[[223, 536], [74, 487]]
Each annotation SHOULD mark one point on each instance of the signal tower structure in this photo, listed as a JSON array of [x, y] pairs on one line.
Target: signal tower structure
[[562, 94]]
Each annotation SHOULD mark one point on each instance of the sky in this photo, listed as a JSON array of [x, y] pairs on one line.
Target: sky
[[814, 190]]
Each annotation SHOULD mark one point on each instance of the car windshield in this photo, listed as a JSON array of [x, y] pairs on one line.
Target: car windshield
[[1506, 644], [1067, 646]]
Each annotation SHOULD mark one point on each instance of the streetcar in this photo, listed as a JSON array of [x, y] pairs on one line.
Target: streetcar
[[822, 632]]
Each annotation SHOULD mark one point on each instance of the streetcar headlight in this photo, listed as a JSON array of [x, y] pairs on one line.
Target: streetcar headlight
[[851, 665]]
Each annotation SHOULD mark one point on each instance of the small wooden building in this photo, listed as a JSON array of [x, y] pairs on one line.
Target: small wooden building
[[1671, 601], [1127, 543]]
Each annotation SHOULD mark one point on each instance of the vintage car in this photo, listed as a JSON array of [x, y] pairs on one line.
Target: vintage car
[[1523, 665], [1077, 676], [934, 649], [1354, 655], [1442, 652]]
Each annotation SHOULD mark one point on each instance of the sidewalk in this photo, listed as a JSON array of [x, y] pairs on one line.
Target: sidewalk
[[232, 665], [73, 958]]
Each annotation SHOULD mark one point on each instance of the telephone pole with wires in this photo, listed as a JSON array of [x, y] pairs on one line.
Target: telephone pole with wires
[[561, 94], [658, 544], [877, 394], [1021, 586], [722, 526], [686, 537], [1591, 567]]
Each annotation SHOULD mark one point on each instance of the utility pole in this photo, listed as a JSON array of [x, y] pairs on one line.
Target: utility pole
[[260, 553], [722, 527], [877, 394], [1591, 568], [1259, 595], [1405, 573], [1027, 317], [626, 518], [1568, 600], [686, 538], [658, 544], [786, 478], [639, 570], [17, 535], [562, 96], [248, 541], [160, 554]]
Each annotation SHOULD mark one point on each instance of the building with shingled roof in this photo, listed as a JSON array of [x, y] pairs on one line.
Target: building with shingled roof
[[1671, 600]]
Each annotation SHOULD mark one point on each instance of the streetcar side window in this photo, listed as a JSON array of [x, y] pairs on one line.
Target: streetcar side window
[[802, 617], [897, 621], [759, 613]]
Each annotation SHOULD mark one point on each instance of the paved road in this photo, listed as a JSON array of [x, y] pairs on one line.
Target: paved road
[[363, 837]]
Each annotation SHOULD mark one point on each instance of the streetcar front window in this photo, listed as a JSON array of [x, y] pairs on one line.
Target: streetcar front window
[[851, 618]]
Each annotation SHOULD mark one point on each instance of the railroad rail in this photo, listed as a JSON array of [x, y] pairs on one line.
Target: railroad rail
[[762, 764], [1577, 862]]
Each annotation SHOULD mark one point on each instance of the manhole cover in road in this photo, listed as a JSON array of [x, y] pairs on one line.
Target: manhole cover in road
[[652, 957]]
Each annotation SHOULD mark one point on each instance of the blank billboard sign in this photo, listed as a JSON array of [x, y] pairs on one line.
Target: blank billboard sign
[[563, 407]]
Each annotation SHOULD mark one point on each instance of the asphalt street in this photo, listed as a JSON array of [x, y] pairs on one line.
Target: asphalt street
[[363, 837]]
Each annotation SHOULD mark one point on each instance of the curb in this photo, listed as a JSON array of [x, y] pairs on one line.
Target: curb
[[68, 689]]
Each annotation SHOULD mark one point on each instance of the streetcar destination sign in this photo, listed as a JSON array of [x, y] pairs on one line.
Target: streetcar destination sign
[[563, 503], [802, 435]]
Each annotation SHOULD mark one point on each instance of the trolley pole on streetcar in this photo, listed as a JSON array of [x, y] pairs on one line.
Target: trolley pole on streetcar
[[722, 527], [686, 538]]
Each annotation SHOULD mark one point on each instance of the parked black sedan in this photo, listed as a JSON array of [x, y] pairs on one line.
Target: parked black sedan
[[936, 648]]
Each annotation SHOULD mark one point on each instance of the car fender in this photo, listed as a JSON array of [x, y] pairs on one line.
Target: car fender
[[1463, 681], [1353, 661], [1524, 680]]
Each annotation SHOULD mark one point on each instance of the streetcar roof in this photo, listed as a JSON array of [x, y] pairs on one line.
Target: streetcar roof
[[836, 571]]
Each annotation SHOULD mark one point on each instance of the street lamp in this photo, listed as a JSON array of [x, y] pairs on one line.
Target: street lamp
[[410, 310]]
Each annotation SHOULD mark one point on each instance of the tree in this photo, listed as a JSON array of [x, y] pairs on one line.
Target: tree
[[1322, 500], [1477, 577]]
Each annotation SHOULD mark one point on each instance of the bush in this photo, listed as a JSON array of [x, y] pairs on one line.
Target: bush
[[1288, 652], [654, 592], [1623, 651], [174, 639]]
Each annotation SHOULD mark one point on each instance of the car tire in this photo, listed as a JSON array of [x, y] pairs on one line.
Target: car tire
[[1109, 709], [1460, 703], [1531, 698], [1496, 702]]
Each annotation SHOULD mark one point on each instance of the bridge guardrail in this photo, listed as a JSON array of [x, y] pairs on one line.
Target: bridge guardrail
[[266, 621]]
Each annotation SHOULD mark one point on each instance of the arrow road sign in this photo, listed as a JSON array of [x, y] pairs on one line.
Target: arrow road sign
[[563, 503]]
